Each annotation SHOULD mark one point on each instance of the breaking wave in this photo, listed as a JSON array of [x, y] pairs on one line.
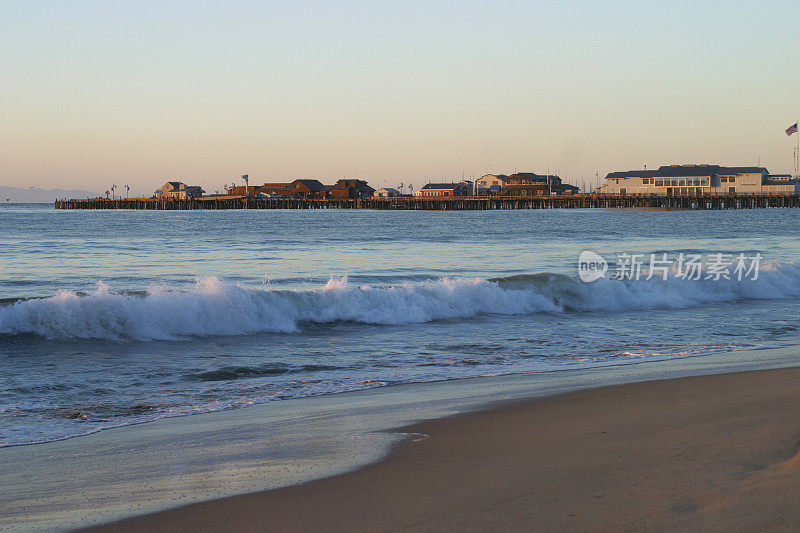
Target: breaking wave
[[213, 307]]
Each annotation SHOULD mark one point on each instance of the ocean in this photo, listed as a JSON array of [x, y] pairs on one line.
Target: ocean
[[112, 318]]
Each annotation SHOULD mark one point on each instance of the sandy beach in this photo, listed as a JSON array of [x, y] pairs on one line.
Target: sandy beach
[[706, 452]]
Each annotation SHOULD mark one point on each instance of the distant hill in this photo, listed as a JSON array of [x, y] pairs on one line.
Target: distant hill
[[37, 196]]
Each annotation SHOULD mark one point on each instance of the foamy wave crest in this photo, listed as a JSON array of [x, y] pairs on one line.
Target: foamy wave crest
[[213, 307]]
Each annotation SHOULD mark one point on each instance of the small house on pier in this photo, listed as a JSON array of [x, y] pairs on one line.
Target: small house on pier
[[178, 190], [386, 192], [445, 190]]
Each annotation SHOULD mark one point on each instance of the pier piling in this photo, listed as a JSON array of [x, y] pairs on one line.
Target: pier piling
[[465, 203]]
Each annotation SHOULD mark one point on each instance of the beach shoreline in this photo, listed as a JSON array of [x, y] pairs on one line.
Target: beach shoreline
[[700, 453], [168, 463]]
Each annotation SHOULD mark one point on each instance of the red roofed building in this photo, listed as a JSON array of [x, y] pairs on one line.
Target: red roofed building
[[445, 190]]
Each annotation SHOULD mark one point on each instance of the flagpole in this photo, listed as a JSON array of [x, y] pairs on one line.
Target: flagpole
[[796, 153]]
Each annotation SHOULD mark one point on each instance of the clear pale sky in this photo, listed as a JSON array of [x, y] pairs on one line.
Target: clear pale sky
[[138, 92]]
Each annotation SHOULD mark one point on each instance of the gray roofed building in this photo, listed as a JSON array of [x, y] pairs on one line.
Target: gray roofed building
[[442, 186], [632, 174], [727, 171], [670, 171], [697, 180]]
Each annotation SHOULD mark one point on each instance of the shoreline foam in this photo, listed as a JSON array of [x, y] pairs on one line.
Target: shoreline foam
[[172, 462], [711, 452]]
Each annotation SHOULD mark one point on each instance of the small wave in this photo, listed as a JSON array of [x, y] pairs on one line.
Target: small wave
[[229, 373], [214, 307]]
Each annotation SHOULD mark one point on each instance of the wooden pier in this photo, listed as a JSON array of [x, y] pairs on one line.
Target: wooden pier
[[474, 203]]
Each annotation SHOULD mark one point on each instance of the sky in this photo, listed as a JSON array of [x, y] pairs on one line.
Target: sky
[[97, 92]]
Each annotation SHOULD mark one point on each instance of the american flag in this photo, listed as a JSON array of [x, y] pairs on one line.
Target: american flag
[[791, 129]]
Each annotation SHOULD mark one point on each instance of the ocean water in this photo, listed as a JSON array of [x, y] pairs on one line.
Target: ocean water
[[110, 318]]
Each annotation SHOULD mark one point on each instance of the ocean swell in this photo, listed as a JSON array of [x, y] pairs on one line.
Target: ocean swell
[[213, 307]]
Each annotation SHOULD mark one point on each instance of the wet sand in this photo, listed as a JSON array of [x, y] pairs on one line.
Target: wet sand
[[699, 453]]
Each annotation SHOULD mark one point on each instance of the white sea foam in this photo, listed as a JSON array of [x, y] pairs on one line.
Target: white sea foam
[[213, 307]]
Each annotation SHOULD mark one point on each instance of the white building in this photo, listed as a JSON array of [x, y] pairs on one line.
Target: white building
[[693, 180], [386, 192], [490, 183], [177, 189], [780, 184]]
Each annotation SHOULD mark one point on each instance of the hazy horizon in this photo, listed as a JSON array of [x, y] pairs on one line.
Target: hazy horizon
[[140, 92]]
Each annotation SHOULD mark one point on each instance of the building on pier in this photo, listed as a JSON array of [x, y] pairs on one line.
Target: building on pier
[[178, 190], [348, 188], [386, 192], [445, 190], [565, 188], [530, 184], [780, 184], [306, 188], [695, 180], [490, 184]]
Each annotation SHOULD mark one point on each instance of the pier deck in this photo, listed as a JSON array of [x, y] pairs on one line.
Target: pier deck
[[748, 201]]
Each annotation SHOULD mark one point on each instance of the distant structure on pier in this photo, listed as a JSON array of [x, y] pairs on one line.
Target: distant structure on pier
[[445, 190], [532, 184], [349, 188], [490, 184], [386, 192], [522, 184], [697, 180], [306, 188], [178, 190]]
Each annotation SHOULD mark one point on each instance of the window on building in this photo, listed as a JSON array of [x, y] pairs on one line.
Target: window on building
[[723, 180], [732, 179]]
